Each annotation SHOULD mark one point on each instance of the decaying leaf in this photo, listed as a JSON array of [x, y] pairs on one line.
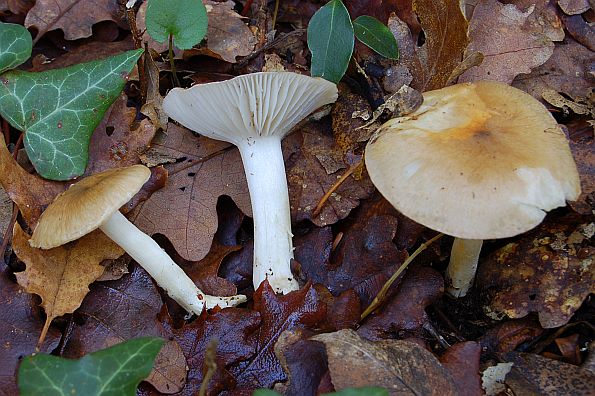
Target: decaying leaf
[[573, 7], [536, 375], [61, 276], [584, 155], [509, 47], [462, 361], [119, 310], [74, 17], [402, 367], [549, 271]]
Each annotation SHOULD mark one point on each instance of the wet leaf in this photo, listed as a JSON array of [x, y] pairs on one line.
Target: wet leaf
[[509, 46], [330, 39], [402, 367], [376, 35], [15, 46], [59, 109], [72, 16], [114, 371], [185, 20], [61, 276]]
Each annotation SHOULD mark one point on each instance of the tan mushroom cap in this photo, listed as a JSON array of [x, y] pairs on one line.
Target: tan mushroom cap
[[480, 160], [87, 204], [257, 104]]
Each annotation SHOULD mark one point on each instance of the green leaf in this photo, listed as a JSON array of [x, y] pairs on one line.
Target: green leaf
[[376, 35], [330, 39], [15, 46], [265, 392], [59, 109], [365, 391], [113, 371], [185, 20]]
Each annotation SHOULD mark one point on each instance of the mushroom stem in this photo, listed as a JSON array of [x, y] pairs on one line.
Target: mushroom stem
[[267, 183], [462, 266], [145, 251]]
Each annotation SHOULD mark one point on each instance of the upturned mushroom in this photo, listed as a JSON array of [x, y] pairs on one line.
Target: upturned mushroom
[[255, 112], [93, 203], [476, 161]]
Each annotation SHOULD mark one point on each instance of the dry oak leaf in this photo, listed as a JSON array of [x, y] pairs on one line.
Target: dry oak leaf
[[401, 367], [584, 155], [574, 7], [75, 17], [548, 270], [185, 209], [509, 45], [61, 276], [20, 325], [16, 6], [126, 308], [301, 308], [445, 30]]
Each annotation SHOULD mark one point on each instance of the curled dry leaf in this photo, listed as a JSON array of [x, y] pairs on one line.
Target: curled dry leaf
[[509, 44], [20, 326], [548, 271], [119, 310], [61, 276], [72, 16], [401, 367]]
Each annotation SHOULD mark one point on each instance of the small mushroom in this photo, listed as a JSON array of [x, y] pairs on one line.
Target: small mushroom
[[255, 112], [93, 203], [476, 161]]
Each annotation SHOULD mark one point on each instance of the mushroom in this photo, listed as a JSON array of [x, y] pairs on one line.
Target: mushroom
[[93, 203], [476, 161], [254, 112]]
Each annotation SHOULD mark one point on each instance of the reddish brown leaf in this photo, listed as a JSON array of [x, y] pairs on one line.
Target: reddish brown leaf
[[279, 313], [584, 155], [462, 361], [507, 336]]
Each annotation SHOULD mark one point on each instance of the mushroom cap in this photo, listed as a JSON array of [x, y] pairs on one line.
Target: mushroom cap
[[479, 160], [248, 106], [87, 204]]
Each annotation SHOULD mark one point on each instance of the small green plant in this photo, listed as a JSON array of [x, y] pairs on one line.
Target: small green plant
[[182, 22], [115, 371], [57, 110], [331, 39]]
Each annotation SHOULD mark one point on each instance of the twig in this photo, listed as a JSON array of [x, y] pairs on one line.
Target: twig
[[379, 299], [270, 45], [275, 13], [246, 8], [17, 146], [136, 36], [8, 232], [334, 188], [210, 364], [170, 53], [6, 131]]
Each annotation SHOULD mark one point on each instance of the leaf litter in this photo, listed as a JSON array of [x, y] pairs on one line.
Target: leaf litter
[[196, 206]]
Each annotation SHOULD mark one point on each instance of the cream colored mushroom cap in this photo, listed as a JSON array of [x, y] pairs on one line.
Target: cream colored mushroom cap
[[480, 160], [247, 106], [87, 204]]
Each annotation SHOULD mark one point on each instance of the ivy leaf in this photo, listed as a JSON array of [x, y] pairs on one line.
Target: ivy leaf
[[376, 35], [59, 109], [330, 39], [113, 371], [15, 46], [185, 20]]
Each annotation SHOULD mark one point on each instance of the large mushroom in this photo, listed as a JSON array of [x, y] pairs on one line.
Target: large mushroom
[[93, 203], [476, 161], [254, 112]]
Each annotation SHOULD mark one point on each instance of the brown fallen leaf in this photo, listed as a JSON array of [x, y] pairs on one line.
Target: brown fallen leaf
[[581, 30], [548, 271], [507, 336], [535, 375], [5, 210], [75, 17], [574, 7], [462, 361], [584, 155], [20, 325], [509, 47], [61, 276], [401, 367], [16, 6], [116, 311]]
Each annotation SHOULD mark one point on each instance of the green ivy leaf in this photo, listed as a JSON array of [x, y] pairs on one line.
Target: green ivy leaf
[[113, 371], [15, 46], [59, 109], [376, 35], [330, 39], [365, 391], [185, 20]]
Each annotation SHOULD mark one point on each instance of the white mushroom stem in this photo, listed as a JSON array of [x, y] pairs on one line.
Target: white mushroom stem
[[462, 266], [267, 183], [145, 251]]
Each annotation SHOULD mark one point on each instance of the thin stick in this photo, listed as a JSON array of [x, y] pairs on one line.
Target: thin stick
[[171, 60], [17, 146], [211, 366], [379, 299], [8, 232], [275, 13], [6, 131], [334, 188], [246, 8]]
